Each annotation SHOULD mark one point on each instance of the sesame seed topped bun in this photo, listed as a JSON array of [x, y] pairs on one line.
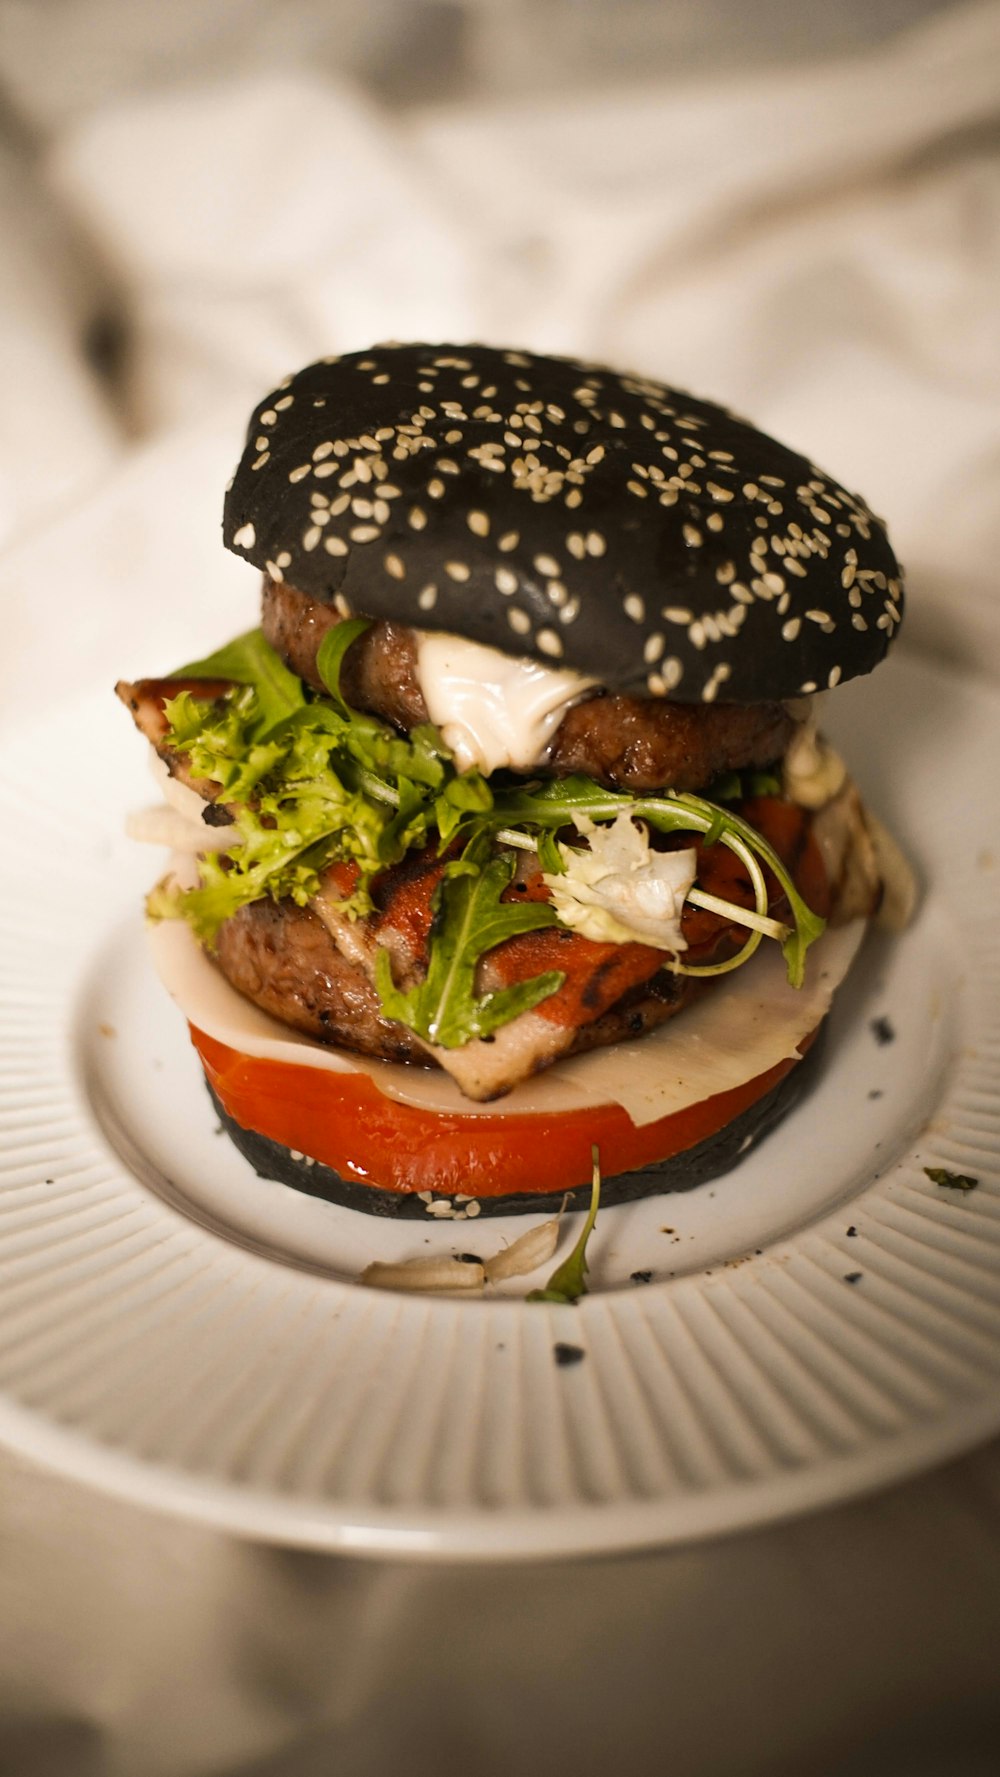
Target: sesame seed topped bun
[[564, 512]]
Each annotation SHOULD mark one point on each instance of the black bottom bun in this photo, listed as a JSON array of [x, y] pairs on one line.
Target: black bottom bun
[[717, 1154]]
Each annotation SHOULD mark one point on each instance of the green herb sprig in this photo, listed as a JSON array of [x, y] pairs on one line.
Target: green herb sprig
[[569, 1280]]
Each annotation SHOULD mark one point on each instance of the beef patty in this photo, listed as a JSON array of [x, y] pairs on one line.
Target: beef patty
[[631, 743]]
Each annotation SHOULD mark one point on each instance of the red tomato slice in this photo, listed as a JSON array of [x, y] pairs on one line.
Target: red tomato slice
[[345, 1122]]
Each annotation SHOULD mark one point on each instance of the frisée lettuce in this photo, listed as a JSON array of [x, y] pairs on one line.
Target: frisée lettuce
[[310, 783]]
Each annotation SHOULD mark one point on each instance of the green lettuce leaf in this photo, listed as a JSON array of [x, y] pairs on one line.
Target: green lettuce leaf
[[250, 660], [469, 920], [553, 805]]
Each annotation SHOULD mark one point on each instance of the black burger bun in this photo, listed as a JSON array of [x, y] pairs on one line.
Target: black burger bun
[[564, 512]]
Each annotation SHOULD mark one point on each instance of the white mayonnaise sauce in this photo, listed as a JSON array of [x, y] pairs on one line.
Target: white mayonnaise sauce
[[492, 710]]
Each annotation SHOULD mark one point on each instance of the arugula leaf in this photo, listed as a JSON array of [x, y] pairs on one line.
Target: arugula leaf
[[569, 1280], [556, 804], [469, 919], [330, 655], [250, 660], [952, 1181]]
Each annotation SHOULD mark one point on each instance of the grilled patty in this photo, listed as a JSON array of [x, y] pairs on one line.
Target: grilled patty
[[283, 959], [630, 743]]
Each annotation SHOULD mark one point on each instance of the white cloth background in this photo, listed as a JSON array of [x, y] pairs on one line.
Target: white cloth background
[[818, 246]]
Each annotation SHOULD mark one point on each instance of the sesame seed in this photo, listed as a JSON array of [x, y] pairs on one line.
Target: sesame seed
[[268, 417], [547, 564], [714, 521], [671, 672], [274, 570], [634, 608], [323, 469], [265, 457], [574, 497], [519, 620], [508, 541], [833, 678], [335, 546], [381, 511], [692, 536], [323, 450], [677, 614], [478, 523], [636, 488], [261, 443], [245, 537], [435, 489], [427, 597], [417, 518], [720, 493], [311, 537], [297, 474], [456, 570], [791, 629], [596, 543], [653, 649], [286, 401], [395, 567], [549, 642], [339, 505], [773, 581], [362, 508], [596, 455], [364, 533], [505, 581]]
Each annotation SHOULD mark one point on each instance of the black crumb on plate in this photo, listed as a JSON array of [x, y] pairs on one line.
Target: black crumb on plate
[[852, 1276], [641, 1277], [882, 1031], [852, 1230], [567, 1354]]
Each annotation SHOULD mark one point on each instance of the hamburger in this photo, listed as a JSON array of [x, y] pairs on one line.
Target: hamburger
[[510, 829]]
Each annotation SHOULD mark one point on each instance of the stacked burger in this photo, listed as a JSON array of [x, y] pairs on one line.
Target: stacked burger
[[511, 825]]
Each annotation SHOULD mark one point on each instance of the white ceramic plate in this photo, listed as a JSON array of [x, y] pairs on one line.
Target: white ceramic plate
[[821, 1321]]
